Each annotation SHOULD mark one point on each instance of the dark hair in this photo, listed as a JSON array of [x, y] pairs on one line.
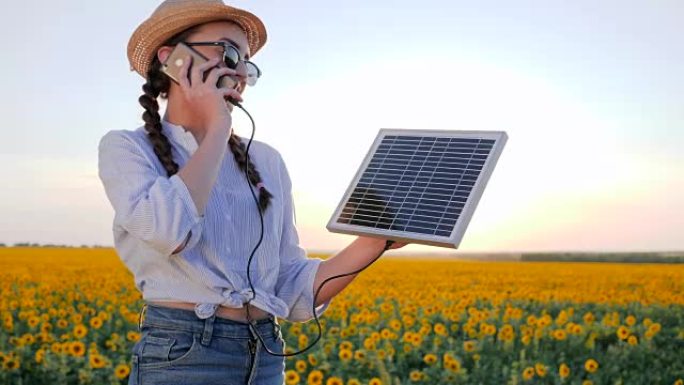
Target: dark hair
[[157, 85]]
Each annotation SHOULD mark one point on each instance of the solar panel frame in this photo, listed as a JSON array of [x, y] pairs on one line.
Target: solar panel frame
[[456, 235]]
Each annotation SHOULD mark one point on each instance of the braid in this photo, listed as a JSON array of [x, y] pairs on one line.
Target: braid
[[239, 153], [158, 84], [162, 147]]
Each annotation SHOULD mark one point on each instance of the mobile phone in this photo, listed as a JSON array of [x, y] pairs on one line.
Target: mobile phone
[[171, 66]]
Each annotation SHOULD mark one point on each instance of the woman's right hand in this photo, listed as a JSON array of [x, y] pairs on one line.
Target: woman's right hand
[[207, 101]]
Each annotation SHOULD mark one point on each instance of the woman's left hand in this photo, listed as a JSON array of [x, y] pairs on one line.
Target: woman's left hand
[[398, 245], [373, 240]]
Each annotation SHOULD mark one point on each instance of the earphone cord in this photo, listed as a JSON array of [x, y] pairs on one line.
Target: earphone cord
[[252, 324]]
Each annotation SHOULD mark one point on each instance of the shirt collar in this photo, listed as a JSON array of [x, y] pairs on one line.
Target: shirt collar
[[180, 135]]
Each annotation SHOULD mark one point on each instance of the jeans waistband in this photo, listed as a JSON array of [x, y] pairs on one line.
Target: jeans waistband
[[187, 320]]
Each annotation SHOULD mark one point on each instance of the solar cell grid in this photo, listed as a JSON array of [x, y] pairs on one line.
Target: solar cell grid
[[415, 184]]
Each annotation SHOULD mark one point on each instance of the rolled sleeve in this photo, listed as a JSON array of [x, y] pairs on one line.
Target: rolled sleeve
[[156, 209], [295, 284], [295, 287], [196, 218]]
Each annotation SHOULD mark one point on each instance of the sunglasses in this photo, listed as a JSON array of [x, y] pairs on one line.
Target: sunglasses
[[231, 56]]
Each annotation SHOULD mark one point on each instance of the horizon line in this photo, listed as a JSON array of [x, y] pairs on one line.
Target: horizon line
[[448, 251]]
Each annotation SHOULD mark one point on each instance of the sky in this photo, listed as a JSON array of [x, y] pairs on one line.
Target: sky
[[589, 92]]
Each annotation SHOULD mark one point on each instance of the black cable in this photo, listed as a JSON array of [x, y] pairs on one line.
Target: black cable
[[251, 323]]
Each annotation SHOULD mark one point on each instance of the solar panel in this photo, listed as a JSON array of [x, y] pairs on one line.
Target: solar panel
[[419, 186]]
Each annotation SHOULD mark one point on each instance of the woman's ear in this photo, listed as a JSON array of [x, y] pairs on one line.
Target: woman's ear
[[163, 53]]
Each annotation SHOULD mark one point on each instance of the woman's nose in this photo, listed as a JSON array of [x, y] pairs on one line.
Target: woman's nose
[[241, 70]]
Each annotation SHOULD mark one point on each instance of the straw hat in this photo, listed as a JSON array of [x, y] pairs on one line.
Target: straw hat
[[173, 16]]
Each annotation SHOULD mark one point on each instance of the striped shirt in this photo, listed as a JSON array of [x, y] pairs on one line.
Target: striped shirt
[[154, 213]]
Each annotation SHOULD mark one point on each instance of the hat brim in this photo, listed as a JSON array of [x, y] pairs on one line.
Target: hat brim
[[157, 29]]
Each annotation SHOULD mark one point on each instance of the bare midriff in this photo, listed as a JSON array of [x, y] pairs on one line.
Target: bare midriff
[[235, 314]]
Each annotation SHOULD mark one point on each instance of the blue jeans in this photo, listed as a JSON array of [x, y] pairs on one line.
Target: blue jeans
[[177, 347]]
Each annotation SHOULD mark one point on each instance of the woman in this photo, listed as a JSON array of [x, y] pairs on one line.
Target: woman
[[186, 224]]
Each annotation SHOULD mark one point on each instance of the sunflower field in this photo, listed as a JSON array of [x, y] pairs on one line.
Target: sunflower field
[[69, 316]]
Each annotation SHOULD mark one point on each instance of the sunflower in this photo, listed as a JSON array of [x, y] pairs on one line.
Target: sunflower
[[291, 377], [654, 328], [346, 345], [469, 346], [528, 373], [133, 336], [540, 369], [416, 375], [453, 365], [430, 359], [40, 354], [622, 332], [577, 329], [76, 318], [77, 349], [416, 339], [563, 370], [506, 329], [303, 341], [33, 321], [56, 348], [97, 361], [375, 381], [300, 365], [11, 363], [80, 331], [103, 315], [121, 371], [334, 381], [632, 340], [28, 339], [345, 355], [559, 334], [96, 323], [353, 381], [591, 365], [315, 377]]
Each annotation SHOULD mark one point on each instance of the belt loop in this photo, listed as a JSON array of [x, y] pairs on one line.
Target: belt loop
[[208, 329], [141, 316], [276, 328], [252, 330]]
